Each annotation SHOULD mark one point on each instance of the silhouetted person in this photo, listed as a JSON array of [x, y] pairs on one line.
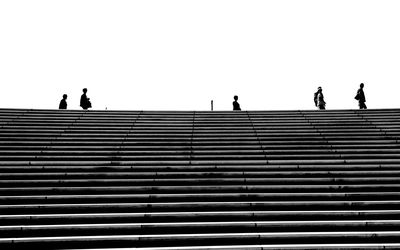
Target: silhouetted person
[[63, 102], [319, 99], [236, 105], [361, 97], [85, 102]]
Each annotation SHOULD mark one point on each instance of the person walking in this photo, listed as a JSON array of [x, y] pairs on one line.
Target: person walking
[[319, 99], [236, 105], [63, 102], [361, 97], [85, 101]]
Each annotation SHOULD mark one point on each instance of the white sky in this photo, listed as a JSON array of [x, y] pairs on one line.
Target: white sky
[[181, 54]]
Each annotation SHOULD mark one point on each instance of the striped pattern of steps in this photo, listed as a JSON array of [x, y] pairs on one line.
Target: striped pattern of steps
[[200, 180]]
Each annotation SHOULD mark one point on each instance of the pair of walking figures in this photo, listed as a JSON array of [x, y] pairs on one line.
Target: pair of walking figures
[[360, 97]]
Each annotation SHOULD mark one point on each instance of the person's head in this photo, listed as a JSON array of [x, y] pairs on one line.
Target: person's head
[[362, 85], [319, 89], [65, 96], [235, 97], [84, 90]]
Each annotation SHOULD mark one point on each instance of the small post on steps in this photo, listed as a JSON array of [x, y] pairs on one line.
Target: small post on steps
[[212, 105]]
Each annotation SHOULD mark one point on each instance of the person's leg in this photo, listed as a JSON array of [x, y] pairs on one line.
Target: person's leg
[[362, 105]]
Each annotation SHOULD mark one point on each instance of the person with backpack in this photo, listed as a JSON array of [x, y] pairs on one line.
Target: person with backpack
[[319, 99], [85, 102], [63, 102], [236, 105], [361, 97]]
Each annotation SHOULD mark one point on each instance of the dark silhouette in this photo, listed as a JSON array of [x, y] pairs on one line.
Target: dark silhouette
[[361, 97], [63, 102], [85, 102], [236, 105], [319, 99]]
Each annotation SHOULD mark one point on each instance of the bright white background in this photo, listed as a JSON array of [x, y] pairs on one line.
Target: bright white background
[[181, 54]]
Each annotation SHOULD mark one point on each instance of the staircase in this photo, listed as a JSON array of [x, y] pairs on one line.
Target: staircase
[[200, 180]]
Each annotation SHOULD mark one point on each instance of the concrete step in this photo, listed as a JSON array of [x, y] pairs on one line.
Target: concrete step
[[264, 143], [10, 168], [104, 161], [188, 158], [193, 197], [196, 135], [201, 154], [159, 189], [58, 147], [197, 206], [198, 216], [197, 227], [356, 246], [167, 240], [156, 173], [198, 181]]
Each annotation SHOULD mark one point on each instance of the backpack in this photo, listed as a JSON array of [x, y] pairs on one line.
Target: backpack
[[357, 97]]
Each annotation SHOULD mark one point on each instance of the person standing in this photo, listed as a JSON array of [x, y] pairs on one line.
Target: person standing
[[85, 102], [361, 97], [63, 102], [236, 105], [319, 99]]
